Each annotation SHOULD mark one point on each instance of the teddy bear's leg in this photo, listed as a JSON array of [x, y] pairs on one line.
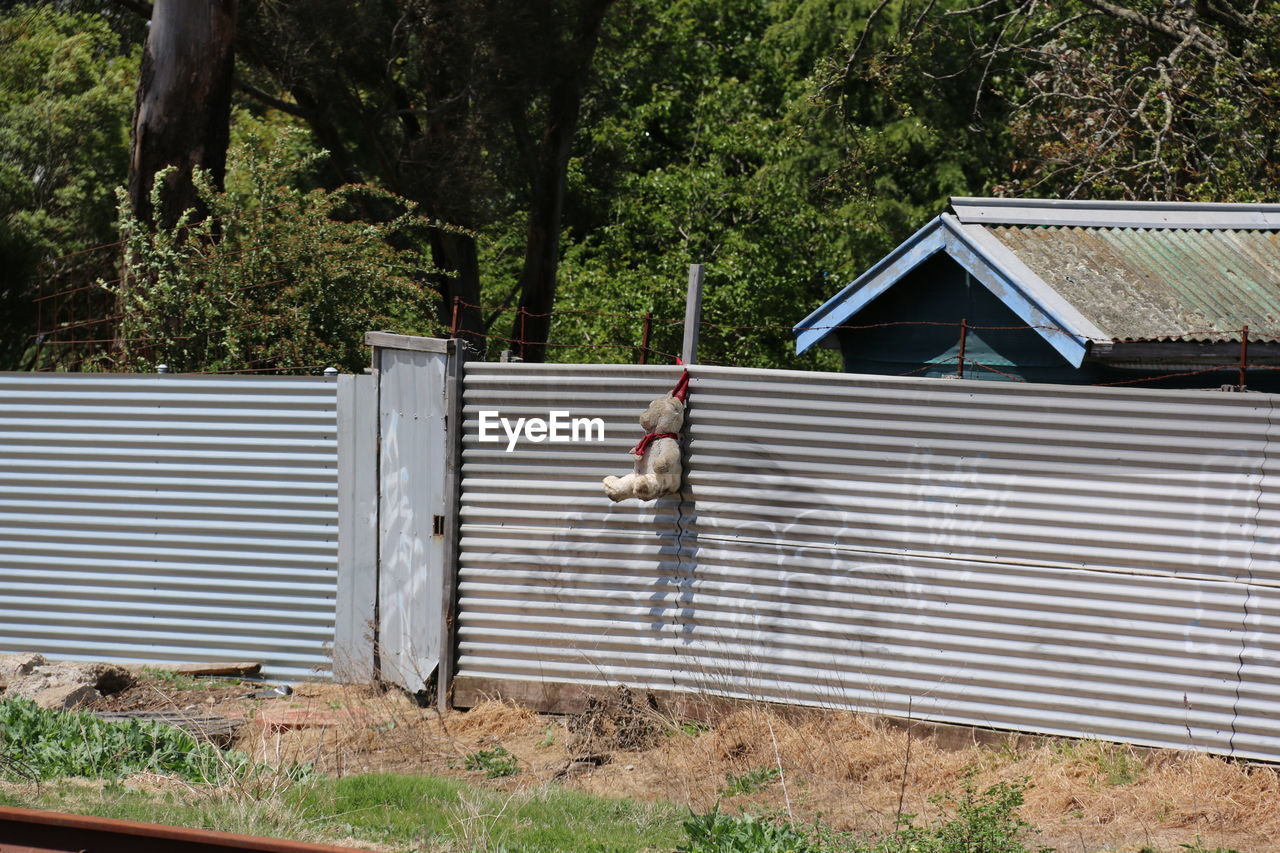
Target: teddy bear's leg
[[619, 488], [647, 487]]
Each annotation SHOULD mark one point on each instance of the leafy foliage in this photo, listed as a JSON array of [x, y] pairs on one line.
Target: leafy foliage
[[495, 763], [275, 277], [1135, 99], [753, 780], [700, 147], [786, 145], [50, 744], [66, 91], [1182, 107], [983, 821], [716, 832]]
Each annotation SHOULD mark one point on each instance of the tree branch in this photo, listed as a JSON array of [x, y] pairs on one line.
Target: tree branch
[[270, 100], [1151, 24], [138, 7]]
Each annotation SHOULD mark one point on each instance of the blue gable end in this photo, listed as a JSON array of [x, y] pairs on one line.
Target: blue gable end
[[1031, 302], [934, 295]]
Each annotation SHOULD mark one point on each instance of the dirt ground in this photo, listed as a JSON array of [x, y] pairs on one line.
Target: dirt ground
[[854, 772]]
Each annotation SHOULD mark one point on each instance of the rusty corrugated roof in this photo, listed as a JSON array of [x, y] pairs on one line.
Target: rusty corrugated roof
[[1182, 284]]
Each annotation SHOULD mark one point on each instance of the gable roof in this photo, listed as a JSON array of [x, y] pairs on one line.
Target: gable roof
[[1087, 273]]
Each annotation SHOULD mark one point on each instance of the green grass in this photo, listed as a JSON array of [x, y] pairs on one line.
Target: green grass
[[1115, 765], [414, 814], [420, 814], [222, 810], [443, 814]]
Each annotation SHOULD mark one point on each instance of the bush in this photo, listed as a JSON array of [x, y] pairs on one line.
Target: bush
[[983, 822], [276, 277]]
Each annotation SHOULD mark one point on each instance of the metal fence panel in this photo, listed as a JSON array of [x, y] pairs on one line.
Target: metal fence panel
[[1072, 560], [156, 519], [357, 580]]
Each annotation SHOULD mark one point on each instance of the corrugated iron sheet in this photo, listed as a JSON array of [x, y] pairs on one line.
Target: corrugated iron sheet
[[411, 497], [1160, 284], [1081, 561], [169, 518]]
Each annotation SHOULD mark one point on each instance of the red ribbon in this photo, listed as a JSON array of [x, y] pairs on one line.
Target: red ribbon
[[681, 393], [649, 439]]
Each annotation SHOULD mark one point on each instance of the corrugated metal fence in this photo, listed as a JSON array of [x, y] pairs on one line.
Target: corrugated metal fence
[[169, 518], [1082, 561]]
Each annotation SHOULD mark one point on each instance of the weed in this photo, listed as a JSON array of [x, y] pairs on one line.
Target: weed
[[983, 822], [1115, 765], [177, 681], [750, 782], [495, 763], [548, 736], [716, 832], [52, 744]]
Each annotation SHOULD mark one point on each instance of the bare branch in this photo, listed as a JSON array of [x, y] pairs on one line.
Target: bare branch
[[138, 7], [270, 100], [862, 39], [1152, 24]]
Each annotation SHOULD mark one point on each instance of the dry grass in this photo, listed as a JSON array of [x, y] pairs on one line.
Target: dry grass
[[854, 771]]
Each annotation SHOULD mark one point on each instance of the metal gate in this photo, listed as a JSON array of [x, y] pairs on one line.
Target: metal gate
[[413, 536]]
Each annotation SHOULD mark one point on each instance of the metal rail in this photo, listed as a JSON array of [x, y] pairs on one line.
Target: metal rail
[[30, 831]]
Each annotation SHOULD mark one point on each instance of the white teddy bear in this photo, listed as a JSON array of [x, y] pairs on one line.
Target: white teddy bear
[[657, 471]]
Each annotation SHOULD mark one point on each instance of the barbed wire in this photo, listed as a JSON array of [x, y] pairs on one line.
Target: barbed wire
[[1194, 335], [55, 335]]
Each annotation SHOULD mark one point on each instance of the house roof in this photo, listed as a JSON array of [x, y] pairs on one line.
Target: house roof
[[1087, 274]]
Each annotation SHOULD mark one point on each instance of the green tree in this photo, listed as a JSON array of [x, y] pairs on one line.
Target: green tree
[[66, 90], [1145, 100], [469, 109], [295, 278], [1110, 99], [712, 138]]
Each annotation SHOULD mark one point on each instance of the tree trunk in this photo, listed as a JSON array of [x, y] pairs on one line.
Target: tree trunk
[[547, 185], [183, 113], [455, 255]]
